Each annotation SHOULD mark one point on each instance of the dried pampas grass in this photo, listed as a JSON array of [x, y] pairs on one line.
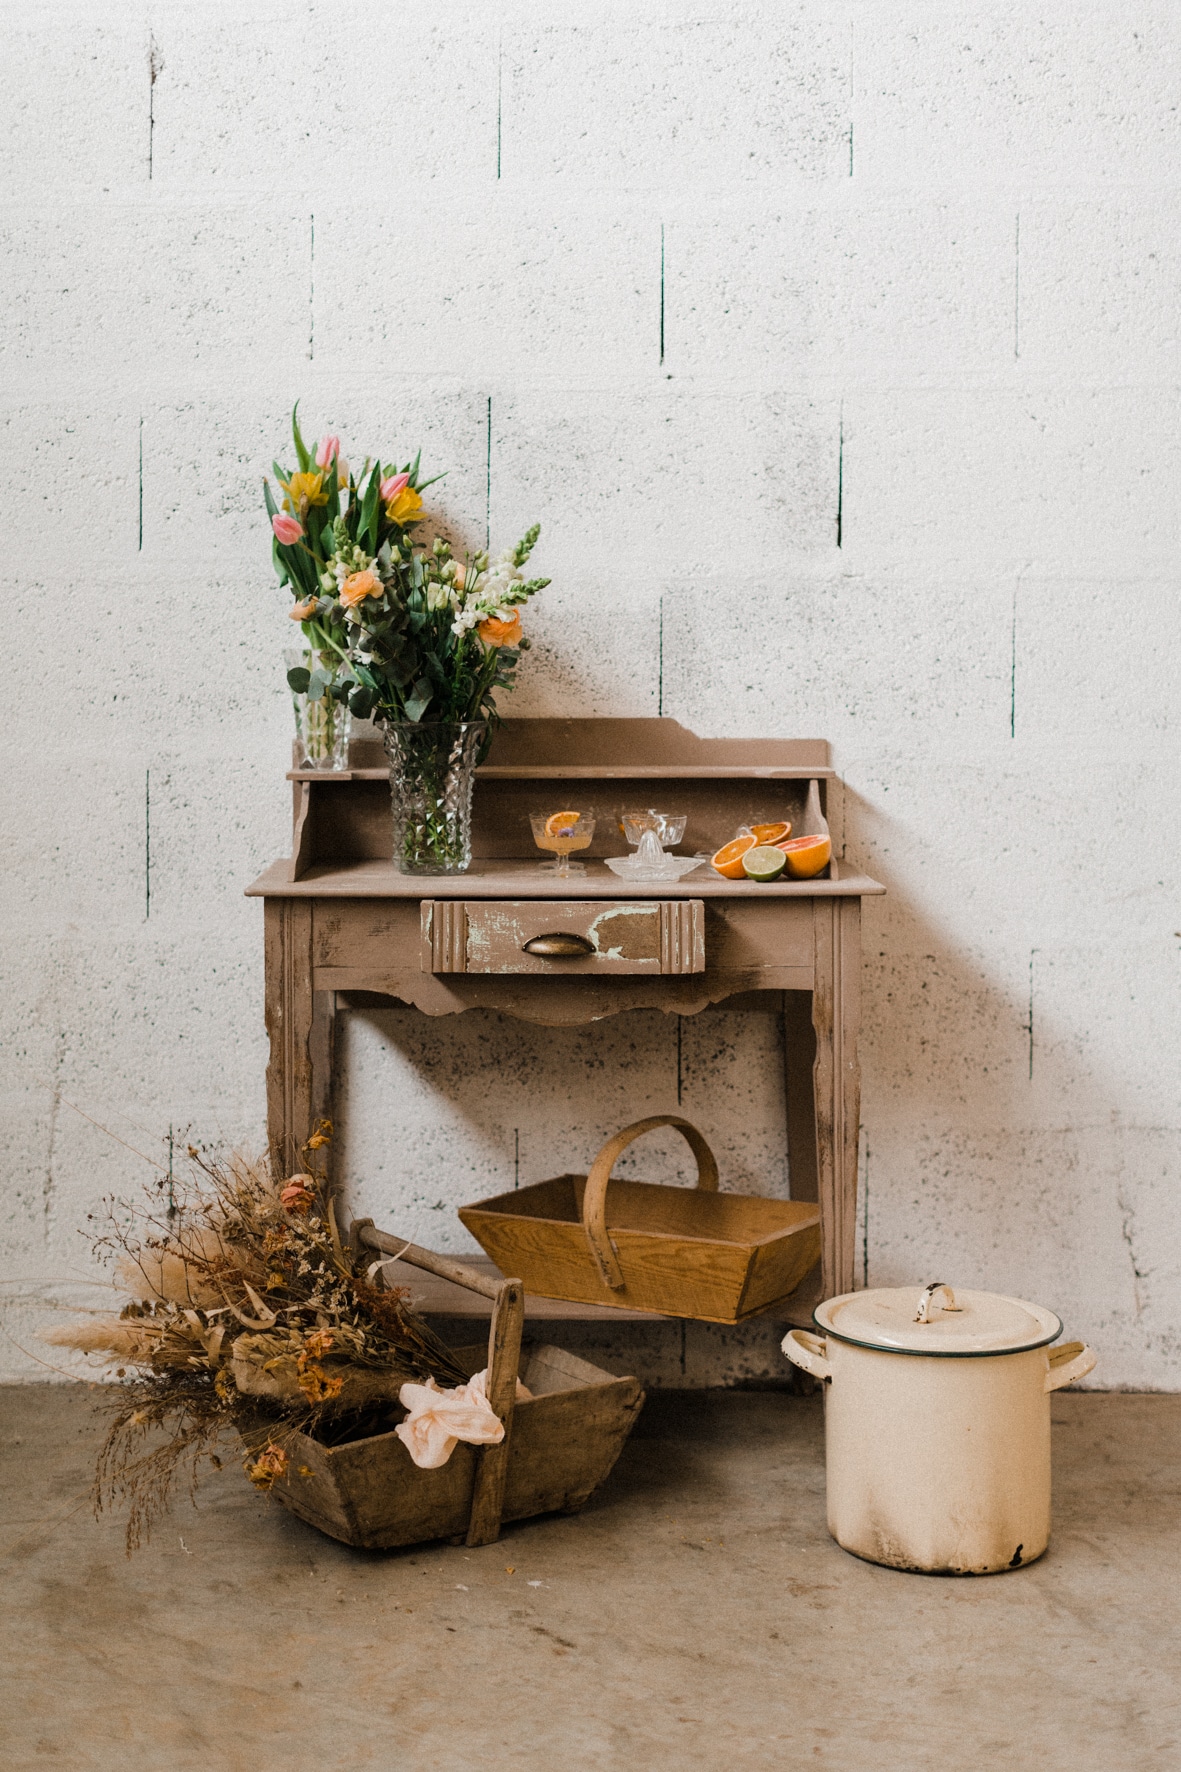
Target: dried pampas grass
[[248, 1316]]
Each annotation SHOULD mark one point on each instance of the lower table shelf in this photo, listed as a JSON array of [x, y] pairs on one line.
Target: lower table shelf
[[434, 1297]]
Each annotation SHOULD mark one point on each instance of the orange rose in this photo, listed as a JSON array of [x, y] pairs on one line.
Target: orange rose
[[495, 632], [359, 585], [303, 611]]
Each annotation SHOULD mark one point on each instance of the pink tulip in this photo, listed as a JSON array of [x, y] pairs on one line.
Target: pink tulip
[[327, 451], [287, 529], [390, 488]]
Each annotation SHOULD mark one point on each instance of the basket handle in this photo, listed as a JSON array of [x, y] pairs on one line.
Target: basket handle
[[504, 1360], [594, 1199]]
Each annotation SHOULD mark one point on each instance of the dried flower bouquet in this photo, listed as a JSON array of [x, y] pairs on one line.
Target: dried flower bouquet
[[247, 1315]]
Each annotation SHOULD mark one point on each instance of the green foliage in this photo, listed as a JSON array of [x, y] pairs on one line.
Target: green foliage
[[406, 643]]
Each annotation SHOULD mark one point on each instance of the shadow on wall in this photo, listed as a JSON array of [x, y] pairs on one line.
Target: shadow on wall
[[435, 1113], [1012, 1138], [1004, 1144]]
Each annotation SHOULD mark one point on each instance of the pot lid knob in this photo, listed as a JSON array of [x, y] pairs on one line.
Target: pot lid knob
[[927, 1299]]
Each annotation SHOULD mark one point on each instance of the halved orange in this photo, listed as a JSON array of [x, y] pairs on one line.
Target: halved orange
[[772, 833], [728, 860], [558, 823], [807, 856]]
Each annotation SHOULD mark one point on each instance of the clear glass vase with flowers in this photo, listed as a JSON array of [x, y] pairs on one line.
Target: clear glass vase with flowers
[[401, 631]]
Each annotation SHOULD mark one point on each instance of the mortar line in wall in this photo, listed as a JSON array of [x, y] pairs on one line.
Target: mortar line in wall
[[153, 70], [1017, 288], [147, 844], [852, 86], [841, 478], [140, 543], [660, 660], [1029, 1023], [865, 1226], [662, 294], [312, 290], [1013, 669], [50, 1184], [499, 95], [488, 477]]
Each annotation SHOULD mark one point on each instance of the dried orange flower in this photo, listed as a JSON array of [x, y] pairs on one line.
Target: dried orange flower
[[268, 1467], [299, 1195], [316, 1385]]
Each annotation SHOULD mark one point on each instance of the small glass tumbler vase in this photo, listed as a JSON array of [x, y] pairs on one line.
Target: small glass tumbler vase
[[432, 775], [322, 726]]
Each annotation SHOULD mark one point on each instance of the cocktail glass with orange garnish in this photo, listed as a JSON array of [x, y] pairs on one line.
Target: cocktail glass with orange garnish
[[563, 833]]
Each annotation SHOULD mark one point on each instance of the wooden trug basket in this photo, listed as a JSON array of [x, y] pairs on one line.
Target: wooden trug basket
[[680, 1251], [558, 1447]]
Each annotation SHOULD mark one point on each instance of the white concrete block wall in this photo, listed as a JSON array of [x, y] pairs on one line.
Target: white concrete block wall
[[835, 346]]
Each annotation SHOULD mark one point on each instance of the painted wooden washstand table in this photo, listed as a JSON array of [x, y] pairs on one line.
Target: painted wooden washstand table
[[344, 927]]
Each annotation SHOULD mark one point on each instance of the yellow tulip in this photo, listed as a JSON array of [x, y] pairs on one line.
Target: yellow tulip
[[405, 507], [303, 490]]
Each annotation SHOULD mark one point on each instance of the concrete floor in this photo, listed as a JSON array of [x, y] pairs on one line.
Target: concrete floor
[[695, 1616]]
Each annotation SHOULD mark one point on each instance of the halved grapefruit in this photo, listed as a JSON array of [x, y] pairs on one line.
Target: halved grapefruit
[[807, 856], [772, 833]]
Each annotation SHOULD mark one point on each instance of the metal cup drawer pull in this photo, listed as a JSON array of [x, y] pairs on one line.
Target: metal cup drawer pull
[[558, 946]]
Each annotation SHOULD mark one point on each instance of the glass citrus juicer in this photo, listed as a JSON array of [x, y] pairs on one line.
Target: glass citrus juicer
[[563, 833], [649, 832]]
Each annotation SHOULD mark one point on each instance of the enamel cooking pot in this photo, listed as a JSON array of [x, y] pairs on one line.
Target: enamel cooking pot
[[937, 1424]]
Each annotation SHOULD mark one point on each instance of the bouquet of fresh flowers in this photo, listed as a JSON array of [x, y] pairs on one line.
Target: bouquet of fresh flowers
[[395, 629]]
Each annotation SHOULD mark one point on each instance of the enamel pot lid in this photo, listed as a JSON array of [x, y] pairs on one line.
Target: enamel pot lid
[[937, 1320]]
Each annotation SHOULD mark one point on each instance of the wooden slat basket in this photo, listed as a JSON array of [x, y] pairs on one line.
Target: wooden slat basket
[[680, 1251], [559, 1446]]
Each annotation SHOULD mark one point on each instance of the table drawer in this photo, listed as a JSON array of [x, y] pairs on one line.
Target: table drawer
[[541, 936]]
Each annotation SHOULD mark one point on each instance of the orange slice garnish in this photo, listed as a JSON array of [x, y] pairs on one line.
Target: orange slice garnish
[[807, 856], [559, 824], [772, 833], [728, 860]]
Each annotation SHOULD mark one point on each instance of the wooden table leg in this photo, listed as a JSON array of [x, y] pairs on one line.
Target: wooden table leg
[[300, 1025], [836, 1017], [799, 1057]]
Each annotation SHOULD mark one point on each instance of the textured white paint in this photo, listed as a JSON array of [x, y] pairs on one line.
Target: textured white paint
[[689, 285]]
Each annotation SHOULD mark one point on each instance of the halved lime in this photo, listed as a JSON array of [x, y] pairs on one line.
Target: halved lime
[[764, 862]]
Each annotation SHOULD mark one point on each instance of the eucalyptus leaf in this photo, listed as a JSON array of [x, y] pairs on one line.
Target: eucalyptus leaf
[[298, 677], [361, 701], [318, 684]]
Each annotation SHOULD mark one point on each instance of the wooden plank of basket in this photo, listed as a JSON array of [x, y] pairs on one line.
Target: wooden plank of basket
[[504, 1358], [594, 1199]]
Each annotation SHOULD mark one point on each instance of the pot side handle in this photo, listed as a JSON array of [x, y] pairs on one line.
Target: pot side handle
[[1074, 1359], [808, 1352]]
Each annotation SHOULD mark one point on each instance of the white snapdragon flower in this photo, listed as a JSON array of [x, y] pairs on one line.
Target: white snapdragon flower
[[441, 596]]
